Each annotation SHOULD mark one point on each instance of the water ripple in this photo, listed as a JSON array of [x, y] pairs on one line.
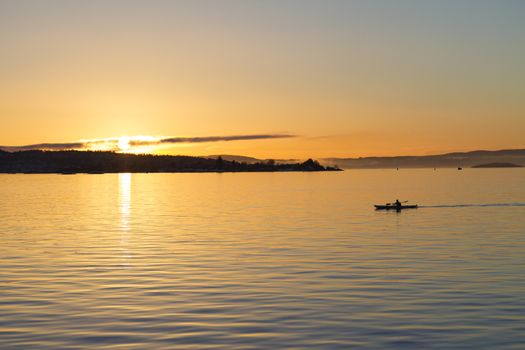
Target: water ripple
[[260, 261]]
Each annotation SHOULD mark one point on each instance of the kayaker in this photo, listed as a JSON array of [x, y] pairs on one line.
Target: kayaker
[[397, 204]]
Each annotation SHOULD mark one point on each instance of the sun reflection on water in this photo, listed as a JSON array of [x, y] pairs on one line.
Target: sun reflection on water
[[124, 180]]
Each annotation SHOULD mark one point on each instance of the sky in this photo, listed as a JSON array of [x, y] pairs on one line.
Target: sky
[[321, 78]]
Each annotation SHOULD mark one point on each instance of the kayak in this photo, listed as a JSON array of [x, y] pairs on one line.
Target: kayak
[[394, 207]]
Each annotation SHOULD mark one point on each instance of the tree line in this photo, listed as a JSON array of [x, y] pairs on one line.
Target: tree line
[[111, 162]]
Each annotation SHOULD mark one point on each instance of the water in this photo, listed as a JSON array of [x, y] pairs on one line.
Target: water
[[263, 260]]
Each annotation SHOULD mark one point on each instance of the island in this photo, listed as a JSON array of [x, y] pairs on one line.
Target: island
[[498, 165], [95, 162]]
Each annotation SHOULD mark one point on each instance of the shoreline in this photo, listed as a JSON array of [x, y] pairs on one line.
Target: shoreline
[[170, 172]]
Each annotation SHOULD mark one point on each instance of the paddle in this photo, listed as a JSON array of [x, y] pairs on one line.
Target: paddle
[[393, 203]]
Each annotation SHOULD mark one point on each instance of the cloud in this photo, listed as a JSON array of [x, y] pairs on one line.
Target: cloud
[[169, 140], [44, 146], [113, 144]]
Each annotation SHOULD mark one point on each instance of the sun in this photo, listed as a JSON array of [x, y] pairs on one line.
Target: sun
[[123, 144]]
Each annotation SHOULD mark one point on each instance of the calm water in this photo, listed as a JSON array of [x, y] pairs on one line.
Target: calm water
[[249, 261]]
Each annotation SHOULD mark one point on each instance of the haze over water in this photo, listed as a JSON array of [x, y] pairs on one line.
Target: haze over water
[[263, 260]]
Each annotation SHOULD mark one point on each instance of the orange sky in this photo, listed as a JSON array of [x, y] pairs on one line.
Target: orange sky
[[347, 78]]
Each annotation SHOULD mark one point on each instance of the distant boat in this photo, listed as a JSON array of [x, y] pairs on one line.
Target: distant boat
[[460, 168], [394, 207]]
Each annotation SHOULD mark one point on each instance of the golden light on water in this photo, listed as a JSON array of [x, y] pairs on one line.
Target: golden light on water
[[124, 180]]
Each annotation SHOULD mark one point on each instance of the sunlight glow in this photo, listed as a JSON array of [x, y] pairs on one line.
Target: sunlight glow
[[123, 144], [139, 144]]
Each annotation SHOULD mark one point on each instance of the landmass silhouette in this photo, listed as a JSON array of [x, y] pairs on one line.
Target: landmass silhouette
[[70, 162], [448, 160], [498, 165]]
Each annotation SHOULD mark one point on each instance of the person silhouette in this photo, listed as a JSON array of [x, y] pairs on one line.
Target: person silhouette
[[397, 203]]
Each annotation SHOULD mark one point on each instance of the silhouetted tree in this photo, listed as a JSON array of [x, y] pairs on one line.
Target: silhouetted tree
[[219, 163]]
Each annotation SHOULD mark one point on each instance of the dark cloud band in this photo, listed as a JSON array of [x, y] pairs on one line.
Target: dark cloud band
[[113, 143], [207, 139], [44, 146]]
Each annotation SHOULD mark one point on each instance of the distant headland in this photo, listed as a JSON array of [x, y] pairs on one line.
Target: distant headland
[[448, 160], [70, 162], [497, 165]]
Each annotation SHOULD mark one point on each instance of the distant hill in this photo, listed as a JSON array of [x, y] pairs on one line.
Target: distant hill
[[230, 157], [250, 160], [448, 160], [497, 165], [68, 162]]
